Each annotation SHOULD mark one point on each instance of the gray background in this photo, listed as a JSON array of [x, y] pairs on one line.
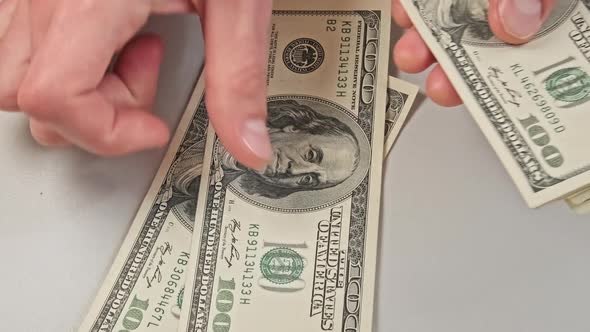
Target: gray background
[[459, 250]]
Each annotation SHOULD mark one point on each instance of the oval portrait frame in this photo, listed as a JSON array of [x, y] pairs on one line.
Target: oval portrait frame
[[311, 200]]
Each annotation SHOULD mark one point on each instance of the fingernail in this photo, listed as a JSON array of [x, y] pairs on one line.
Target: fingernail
[[255, 136], [521, 18]]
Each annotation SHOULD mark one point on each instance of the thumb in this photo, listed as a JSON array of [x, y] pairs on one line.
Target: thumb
[[517, 21], [235, 76]]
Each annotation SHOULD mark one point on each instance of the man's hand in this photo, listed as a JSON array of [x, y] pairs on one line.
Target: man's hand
[[513, 21], [54, 55]]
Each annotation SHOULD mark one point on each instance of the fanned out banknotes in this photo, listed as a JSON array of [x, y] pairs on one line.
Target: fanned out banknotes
[[530, 101], [218, 247]]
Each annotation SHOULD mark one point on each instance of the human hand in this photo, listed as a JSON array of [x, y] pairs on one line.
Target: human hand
[[55, 53], [513, 21]]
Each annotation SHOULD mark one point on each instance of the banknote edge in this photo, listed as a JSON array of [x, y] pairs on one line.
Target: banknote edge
[[412, 91], [373, 178], [513, 169], [139, 220]]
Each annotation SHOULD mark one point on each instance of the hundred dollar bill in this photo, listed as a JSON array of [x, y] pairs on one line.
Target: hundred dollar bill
[[293, 248], [530, 101], [171, 203], [143, 289], [400, 98]]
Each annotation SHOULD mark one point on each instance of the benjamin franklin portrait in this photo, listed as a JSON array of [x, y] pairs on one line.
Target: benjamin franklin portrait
[[312, 151]]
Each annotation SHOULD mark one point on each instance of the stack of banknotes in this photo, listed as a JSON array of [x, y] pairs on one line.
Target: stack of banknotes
[[530, 101], [219, 247]]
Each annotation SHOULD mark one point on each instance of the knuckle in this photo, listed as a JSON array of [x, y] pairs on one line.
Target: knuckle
[[100, 148], [9, 85], [43, 136], [40, 99], [8, 99], [106, 146], [40, 139]]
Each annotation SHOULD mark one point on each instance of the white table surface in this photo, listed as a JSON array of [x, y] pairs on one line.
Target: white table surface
[[459, 249]]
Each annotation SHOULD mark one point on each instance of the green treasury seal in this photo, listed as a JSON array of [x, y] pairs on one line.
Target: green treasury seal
[[568, 85], [281, 266]]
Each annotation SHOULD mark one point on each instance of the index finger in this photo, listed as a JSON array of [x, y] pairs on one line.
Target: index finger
[[236, 39]]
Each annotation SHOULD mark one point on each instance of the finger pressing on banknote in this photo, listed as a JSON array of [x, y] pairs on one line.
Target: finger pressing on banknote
[[235, 72], [513, 21], [516, 21]]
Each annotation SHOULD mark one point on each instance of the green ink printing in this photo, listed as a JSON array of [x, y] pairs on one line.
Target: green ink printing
[[568, 85], [281, 266]]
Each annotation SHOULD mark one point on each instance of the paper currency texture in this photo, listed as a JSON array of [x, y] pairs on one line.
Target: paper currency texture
[[143, 288], [132, 286], [401, 96], [530, 101], [293, 248]]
